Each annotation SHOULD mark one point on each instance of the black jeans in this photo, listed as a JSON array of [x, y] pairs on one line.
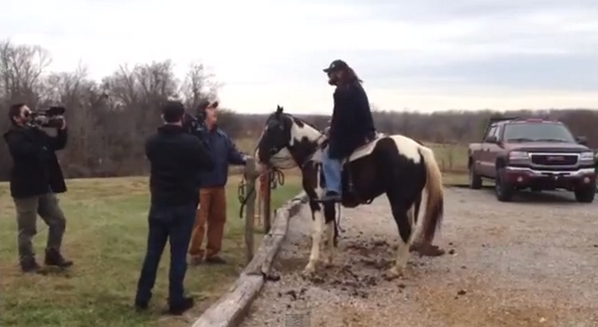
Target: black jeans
[[167, 223]]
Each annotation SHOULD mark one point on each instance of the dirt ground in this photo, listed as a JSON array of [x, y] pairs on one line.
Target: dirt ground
[[533, 262]]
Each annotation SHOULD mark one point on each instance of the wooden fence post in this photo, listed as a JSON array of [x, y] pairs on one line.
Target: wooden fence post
[[267, 213], [250, 177]]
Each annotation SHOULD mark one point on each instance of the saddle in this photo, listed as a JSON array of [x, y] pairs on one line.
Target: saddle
[[350, 197]]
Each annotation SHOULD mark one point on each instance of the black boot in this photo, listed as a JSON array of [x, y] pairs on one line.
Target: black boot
[[29, 266], [180, 307], [54, 258]]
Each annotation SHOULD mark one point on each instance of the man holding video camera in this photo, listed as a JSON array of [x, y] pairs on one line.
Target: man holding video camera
[[35, 179]]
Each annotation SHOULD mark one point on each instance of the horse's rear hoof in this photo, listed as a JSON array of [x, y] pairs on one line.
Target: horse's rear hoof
[[426, 249]]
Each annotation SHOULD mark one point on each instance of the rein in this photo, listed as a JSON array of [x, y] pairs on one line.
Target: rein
[[276, 179]]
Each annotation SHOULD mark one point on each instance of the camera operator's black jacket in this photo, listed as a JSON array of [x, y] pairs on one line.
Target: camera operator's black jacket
[[352, 122], [177, 158], [35, 170]]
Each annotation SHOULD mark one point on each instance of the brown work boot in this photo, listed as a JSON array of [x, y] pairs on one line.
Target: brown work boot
[[196, 260], [54, 258], [215, 260]]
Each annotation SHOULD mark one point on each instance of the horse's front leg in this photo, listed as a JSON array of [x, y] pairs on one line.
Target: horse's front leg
[[329, 216], [316, 238]]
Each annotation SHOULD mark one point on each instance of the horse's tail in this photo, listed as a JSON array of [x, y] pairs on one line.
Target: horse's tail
[[435, 199]]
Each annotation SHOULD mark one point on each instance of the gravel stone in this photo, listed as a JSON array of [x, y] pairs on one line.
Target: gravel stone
[[533, 262]]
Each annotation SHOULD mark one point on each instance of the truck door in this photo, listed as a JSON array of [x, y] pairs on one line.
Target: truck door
[[484, 166], [493, 150]]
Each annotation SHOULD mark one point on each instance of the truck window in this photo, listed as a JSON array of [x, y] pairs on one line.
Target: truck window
[[490, 132], [497, 132], [543, 132]]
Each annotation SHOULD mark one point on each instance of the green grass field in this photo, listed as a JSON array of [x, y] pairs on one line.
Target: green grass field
[[452, 158], [106, 236]]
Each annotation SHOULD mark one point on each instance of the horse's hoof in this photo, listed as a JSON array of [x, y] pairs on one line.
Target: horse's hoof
[[329, 261], [309, 270], [395, 272], [426, 249]]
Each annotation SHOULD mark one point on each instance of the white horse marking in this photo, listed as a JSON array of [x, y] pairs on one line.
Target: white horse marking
[[407, 147], [316, 238], [303, 132]]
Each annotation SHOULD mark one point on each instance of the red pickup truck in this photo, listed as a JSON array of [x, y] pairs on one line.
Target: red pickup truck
[[536, 154]]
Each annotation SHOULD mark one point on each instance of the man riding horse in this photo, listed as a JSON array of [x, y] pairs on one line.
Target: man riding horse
[[351, 126]]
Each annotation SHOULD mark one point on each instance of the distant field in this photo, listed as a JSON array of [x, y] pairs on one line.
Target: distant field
[[452, 158]]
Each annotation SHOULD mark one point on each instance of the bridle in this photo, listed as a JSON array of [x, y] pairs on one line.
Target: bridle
[[321, 142]]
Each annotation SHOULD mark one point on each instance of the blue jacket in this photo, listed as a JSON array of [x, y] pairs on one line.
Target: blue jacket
[[223, 153]]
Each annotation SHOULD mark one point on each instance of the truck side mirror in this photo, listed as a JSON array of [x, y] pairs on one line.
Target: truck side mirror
[[491, 139], [581, 140]]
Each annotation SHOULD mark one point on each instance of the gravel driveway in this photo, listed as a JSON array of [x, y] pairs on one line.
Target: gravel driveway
[[529, 263]]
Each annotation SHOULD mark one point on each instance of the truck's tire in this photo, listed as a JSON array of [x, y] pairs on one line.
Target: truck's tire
[[503, 191], [475, 180], [585, 194]]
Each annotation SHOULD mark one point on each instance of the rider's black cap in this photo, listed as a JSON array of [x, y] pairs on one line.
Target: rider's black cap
[[336, 66]]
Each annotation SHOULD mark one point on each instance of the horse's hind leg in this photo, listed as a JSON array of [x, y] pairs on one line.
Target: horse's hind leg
[[403, 217]]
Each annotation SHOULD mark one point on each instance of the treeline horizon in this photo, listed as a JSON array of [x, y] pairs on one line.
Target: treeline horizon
[[109, 119]]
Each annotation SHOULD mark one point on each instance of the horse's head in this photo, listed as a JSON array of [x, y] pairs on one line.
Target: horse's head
[[277, 135], [285, 131]]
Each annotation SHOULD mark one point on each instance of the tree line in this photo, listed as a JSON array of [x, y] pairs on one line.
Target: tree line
[[110, 119]]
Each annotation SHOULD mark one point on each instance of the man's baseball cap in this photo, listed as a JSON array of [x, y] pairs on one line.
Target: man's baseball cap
[[204, 104], [173, 111], [336, 66]]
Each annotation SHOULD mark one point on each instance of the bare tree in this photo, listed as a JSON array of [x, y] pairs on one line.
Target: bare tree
[[109, 120]]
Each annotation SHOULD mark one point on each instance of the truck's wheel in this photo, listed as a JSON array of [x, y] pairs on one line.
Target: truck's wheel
[[585, 194], [475, 180], [504, 192]]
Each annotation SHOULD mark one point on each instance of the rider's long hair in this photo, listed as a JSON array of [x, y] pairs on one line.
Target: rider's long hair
[[350, 76]]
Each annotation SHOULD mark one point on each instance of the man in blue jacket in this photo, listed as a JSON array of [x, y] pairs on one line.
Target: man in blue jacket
[[212, 194]]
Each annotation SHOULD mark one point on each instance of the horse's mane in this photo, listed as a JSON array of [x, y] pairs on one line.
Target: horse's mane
[[304, 122]]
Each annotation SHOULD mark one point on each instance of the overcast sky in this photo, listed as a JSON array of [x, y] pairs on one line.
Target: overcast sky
[[416, 54]]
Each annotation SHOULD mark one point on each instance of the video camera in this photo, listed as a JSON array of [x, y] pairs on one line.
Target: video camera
[[51, 117], [194, 125]]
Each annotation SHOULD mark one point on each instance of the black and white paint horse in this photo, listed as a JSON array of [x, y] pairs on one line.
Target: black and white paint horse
[[398, 166]]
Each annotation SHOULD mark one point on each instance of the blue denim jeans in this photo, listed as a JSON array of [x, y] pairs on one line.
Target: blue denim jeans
[[173, 224], [332, 173]]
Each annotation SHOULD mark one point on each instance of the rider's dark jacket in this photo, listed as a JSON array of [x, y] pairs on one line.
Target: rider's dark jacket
[[352, 122]]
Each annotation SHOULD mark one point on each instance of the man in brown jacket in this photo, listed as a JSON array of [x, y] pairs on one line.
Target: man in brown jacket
[[212, 194]]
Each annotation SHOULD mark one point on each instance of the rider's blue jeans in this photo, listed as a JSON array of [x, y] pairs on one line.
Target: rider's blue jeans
[[332, 173]]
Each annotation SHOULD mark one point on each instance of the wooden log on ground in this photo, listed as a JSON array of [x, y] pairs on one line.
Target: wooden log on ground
[[232, 308]]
